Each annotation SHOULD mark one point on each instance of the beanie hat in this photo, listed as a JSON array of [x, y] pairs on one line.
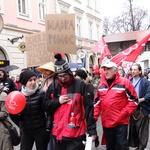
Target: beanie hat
[[25, 76], [81, 73], [60, 64]]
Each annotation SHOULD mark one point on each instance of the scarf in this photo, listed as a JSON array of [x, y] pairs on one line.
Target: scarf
[[27, 91]]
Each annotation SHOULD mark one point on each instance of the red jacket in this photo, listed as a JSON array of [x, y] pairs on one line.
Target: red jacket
[[115, 103], [80, 105]]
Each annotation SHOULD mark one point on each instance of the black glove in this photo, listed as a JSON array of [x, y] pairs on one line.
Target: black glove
[[47, 136], [97, 141]]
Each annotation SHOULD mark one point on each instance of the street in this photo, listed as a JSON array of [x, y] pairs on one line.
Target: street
[[100, 147]]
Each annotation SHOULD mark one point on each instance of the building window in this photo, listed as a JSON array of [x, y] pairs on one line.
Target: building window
[[96, 5], [89, 3], [1, 6], [42, 10], [78, 26], [90, 30], [23, 7], [98, 33]]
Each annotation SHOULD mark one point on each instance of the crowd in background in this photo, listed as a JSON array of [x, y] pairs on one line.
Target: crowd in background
[[47, 97]]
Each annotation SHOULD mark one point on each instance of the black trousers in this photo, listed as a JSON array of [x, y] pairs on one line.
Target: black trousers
[[70, 145], [30, 136], [116, 138], [139, 132]]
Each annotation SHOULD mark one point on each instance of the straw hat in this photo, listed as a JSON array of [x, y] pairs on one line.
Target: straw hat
[[47, 66]]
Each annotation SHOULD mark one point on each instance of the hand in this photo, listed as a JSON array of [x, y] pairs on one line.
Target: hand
[[93, 137], [47, 136], [64, 99], [141, 100]]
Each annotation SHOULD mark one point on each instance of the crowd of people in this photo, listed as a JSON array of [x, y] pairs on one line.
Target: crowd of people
[[62, 108]]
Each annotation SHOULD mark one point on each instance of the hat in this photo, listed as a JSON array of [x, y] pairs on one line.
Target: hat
[[60, 64], [109, 64], [48, 66], [25, 76], [81, 73]]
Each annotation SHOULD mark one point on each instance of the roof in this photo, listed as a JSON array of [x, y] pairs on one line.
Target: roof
[[128, 36]]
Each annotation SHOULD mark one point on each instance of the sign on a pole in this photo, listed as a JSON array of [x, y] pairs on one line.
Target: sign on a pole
[[60, 33], [36, 50]]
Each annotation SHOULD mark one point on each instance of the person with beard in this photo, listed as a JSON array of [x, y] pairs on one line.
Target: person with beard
[[31, 119], [139, 121], [72, 112], [7, 83]]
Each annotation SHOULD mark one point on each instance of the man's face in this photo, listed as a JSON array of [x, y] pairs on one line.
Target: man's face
[[63, 77], [1, 74], [110, 72], [135, 71]]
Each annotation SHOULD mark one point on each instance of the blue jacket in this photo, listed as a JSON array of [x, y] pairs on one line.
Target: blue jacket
[[144, 89]]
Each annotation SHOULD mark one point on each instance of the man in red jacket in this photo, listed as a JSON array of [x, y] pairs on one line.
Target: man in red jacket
[[115, 100]]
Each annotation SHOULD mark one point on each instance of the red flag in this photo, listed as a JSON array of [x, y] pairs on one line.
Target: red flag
[[130, 54], [102, 48]]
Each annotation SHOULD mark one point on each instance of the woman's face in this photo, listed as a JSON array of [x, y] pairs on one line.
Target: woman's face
[[47, 73], [31, 84]]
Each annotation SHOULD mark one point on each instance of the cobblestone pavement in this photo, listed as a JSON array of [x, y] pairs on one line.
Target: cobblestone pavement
[[100, 147]]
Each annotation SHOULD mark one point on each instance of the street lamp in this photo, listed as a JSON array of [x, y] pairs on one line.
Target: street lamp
[[13, 40]]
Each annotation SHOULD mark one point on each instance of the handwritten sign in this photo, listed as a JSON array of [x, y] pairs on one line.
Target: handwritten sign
[[36, 50], [60, 33]]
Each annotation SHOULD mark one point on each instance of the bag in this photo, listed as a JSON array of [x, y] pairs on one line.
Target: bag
[[14, 136]]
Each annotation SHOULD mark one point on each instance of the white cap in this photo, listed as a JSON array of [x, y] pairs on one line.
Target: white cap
[[109, 64]]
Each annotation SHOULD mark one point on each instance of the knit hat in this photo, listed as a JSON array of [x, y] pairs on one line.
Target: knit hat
[[60, 64], [81, 73], [25, 76]]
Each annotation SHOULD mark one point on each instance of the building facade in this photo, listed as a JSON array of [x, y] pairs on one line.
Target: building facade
[[27, 17]]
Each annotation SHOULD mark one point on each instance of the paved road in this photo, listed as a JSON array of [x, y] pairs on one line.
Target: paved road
[[100, 147]]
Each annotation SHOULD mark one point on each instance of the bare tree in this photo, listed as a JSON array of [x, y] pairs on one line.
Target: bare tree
[[131, 19]]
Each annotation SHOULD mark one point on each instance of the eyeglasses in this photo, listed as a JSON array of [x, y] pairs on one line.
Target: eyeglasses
[[62, 75]]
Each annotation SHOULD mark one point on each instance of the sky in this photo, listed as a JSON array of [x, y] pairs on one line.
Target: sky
[[113, 7]]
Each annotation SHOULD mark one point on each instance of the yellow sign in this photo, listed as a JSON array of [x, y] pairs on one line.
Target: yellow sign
[[1, 62], [22, 46]]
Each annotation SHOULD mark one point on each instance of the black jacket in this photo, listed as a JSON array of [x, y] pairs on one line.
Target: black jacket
[[33, 116], [7, 83]]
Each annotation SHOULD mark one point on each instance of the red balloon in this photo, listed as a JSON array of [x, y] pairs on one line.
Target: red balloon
[[95, 67], [15, 102]]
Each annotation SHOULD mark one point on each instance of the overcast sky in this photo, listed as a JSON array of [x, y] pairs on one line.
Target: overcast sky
[[113, 7]]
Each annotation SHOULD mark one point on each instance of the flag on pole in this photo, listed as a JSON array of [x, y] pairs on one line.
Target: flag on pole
[[102, 48], [130, 54]]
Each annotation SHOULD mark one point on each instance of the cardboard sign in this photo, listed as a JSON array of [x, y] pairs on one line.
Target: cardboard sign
[[36, 50], [60, 33]]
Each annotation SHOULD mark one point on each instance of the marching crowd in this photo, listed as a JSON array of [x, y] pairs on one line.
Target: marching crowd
[[62, 108]]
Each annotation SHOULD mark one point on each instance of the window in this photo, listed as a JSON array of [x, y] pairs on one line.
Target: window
[[78, 26], [42, 10], [90, 30], [89, 3], [22, 7], [95, 4], [1, 6], [97, 28]]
